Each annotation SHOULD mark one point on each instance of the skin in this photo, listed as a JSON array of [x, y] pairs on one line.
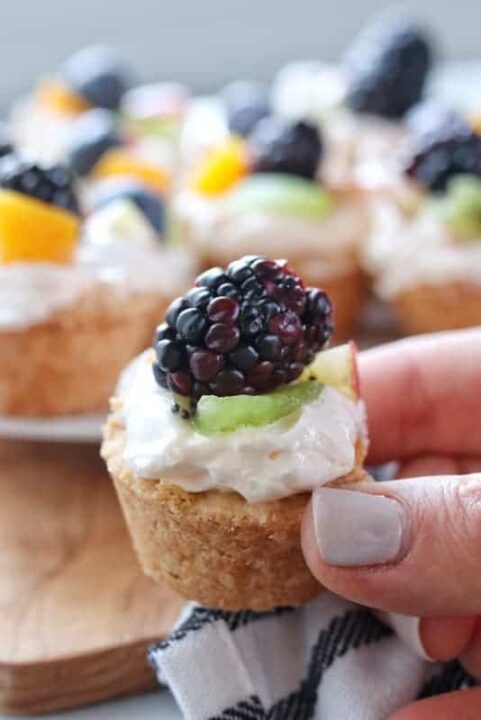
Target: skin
[[423, 398]]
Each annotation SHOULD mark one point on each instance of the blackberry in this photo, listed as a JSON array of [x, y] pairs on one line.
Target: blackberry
[[53, 184], [388, 66], [253, 338], [443, 149], [282, 146]]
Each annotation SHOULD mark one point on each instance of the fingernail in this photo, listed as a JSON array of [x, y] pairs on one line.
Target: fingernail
[[354, 528], [408, 628]]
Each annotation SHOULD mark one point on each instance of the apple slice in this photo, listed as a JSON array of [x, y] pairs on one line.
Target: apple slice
[[337, 368]]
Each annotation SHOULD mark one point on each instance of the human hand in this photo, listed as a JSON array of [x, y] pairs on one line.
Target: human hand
[[413, 547]]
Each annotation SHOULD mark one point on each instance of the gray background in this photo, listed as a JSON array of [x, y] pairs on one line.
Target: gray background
[[204, 42]]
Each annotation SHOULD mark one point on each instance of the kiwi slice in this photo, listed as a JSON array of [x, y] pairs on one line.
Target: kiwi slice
[[280, 194], [460, 208], [226, 414]]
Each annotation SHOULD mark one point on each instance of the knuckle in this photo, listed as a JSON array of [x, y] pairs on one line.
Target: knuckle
[[462, 512]]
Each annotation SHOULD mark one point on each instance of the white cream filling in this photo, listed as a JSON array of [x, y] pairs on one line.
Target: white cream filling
[[128, 258], [262, 464], [405, 253], [225, 234]]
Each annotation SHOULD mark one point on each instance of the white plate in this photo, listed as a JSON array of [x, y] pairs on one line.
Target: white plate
[[72, 428]]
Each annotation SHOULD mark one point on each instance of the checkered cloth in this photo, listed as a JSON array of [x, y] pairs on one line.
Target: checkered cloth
[[328, 659]]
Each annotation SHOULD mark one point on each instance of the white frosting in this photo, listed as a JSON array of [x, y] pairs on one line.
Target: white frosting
[[263, 463], [226, 234], [125, 257], [405, 253], [39, 133]]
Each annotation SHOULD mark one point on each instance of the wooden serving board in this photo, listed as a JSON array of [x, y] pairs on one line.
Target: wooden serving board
[[76, 613]]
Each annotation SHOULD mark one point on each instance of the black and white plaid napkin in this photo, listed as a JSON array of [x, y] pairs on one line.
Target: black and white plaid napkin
[[329, 659]]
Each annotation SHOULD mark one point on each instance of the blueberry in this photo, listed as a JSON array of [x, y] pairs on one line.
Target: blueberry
[[148, 202], [91, 135], [97, 74]]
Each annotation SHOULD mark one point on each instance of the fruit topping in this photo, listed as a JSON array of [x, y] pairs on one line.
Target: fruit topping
[[281, 146], [120, 221], [147, 201], [337, 368], [387, 66], [442, 150], [281, 195], [226, 414], [51, 184], [91, 135], [244, 330], [97, 74], [221, 167], [460, 207], [120, 162], [246, 102], [54, 94]]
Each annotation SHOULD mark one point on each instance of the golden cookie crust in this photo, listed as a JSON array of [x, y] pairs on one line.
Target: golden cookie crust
[[434, 308], [70, 363], [215, 547]]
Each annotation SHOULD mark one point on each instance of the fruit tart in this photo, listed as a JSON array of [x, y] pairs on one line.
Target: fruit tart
[[266, 193], [94, 77], [218, 435], [77, 300], [427, 261], [362, 102]]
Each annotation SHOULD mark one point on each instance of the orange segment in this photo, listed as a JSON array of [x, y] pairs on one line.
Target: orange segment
[[121, 162], [476, 121], [54, 95], [34, 231], [221, 168]]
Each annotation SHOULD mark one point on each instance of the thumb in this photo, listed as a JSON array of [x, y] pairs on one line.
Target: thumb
[[410, 546]]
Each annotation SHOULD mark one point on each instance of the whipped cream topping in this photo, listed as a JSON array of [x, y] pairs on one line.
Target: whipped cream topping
[[407, 252], [40, 134], [126, 258], [223, 233], [261, 464]]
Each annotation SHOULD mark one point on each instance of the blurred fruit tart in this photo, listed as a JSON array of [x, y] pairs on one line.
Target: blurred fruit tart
[[362, 102], [96, 150], [77, 299], [265, 193], [427, 263], [218, 435], [94, 77]]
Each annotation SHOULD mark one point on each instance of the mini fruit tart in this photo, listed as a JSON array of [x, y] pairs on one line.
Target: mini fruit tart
[[219, 434], [361, 103], [78, 300], [94, 77], [427, 262], [265, 193], [96, 150]]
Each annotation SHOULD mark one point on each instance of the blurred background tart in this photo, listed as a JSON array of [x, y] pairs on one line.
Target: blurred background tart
[[77, 299]]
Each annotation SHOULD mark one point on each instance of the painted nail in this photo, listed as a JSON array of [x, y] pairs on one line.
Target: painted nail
[[354, 528]]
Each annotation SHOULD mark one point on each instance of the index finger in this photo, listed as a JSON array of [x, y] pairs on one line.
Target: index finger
[[423, 395]]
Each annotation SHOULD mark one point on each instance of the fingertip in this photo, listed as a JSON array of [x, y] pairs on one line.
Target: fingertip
[[445, 638]]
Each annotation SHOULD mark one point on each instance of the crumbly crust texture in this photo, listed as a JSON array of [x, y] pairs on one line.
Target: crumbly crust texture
[[70, 364], [434, 308], [215, 547]]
